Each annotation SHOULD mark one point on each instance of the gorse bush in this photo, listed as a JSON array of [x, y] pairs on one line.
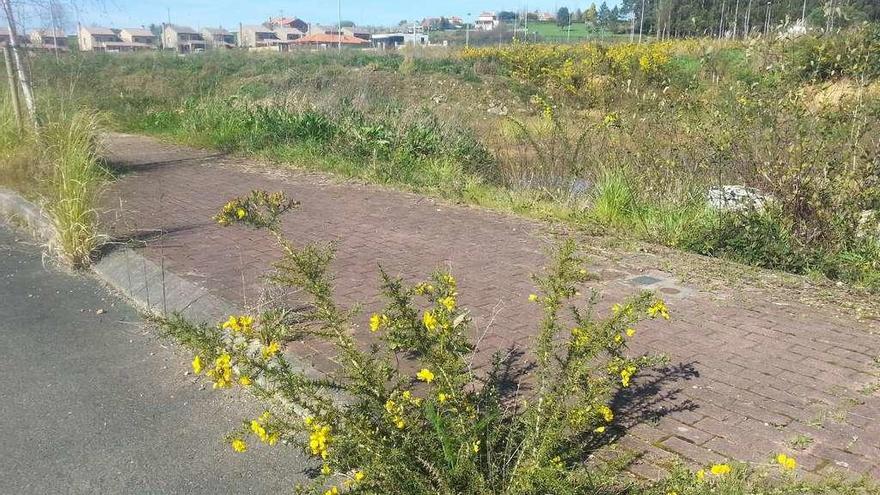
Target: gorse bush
[[410, 413]]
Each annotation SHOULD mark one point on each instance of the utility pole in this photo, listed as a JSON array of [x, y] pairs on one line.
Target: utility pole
[[568, 39], [735, 19], [23, 81], [467, 31], [632, 27], [339, 23], [13, 86], [747, 27], [641, 21]]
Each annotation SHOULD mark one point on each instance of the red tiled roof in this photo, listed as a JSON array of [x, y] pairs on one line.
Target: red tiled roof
[[330, 39]]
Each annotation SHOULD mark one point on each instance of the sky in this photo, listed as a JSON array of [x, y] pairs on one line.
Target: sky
[[229, 13]]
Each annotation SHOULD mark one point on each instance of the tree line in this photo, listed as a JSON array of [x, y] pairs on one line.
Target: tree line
[[732, 18]]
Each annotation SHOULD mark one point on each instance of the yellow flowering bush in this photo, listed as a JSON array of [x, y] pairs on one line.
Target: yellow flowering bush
[[578, 69], [409, 414]]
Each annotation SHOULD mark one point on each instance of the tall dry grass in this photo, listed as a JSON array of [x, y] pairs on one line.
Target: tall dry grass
[[61, 168], [73, 148]]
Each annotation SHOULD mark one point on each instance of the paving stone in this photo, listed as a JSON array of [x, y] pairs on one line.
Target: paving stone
[[743, 378]]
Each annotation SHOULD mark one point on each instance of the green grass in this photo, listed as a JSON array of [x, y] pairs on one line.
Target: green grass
[[579, 31]]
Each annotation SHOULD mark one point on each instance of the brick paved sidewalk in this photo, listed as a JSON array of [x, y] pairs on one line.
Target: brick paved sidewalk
[[746, 380]]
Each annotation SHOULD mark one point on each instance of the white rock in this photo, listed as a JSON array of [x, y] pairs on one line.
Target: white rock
[[737, 198]]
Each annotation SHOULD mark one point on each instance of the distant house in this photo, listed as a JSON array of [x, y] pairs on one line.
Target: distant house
[[546, 17], [456, 21], [261, 37], [432, 23], [291, 22], [285, 33], [182, 39], [139, 36], [357, 32], [395, 40], [49, 39], [5, 37], [319, 29], [487, 21], [218, 38], [327, 40], [101, 39]]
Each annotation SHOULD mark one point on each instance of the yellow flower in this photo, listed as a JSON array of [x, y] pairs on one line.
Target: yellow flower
[[476, 446], [625, 375], [786, 462], [448, 302], [359, 475], [244, 380], [238, 445], [240, 213], [377, 321], [232, 324], [701, 474], [400, 423], [617, 308], [221, 373], [319, 440], [197, 365], [606, 413], [659, 308], [325, 469], [441, 397], [720, 469], [618, 339], [533, 297], [246, 320], [425, 375], [332, 491], [270, 350], [630, 332], [600, 429], [430, 321]]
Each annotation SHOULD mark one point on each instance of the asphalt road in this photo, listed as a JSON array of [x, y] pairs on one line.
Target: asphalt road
[[92, 401]]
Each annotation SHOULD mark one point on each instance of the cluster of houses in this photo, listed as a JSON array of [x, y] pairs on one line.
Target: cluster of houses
[[276, 34], [49, 39]]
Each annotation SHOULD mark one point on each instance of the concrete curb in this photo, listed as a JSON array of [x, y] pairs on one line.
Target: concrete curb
[[146, 284], [20, 210], [143, 282]]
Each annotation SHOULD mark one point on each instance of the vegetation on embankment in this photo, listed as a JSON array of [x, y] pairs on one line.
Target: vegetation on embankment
[[621, 139]]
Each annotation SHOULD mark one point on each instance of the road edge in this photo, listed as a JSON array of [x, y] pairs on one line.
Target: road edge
[[147, 285]]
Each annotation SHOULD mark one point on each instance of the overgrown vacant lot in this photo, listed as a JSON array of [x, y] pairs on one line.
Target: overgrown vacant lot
[[620, 139]]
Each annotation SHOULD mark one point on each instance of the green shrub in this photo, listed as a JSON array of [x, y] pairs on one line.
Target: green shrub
[[379, 425], [854, 53], [758, 238]]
